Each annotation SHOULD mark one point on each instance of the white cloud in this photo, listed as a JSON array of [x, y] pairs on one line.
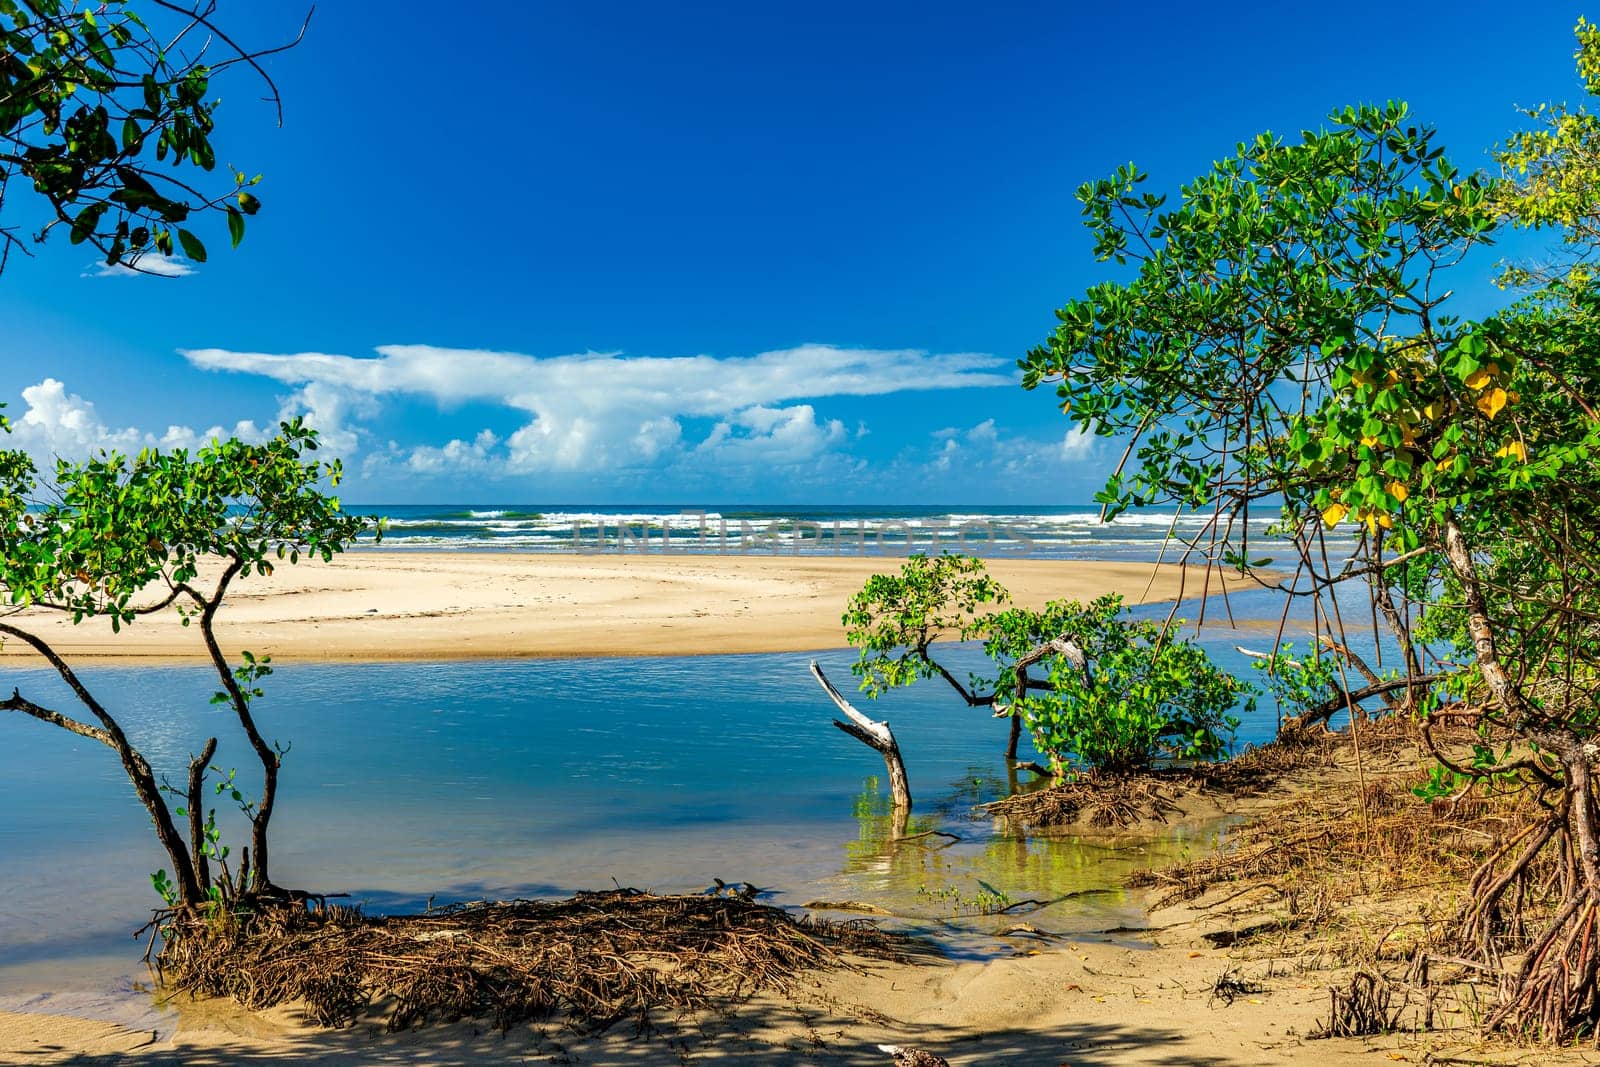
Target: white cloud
[[331, 412], [983, 454], [58, 423], [459, 456], [605, 411], [771, 437], [1077, 444], [153, 263]]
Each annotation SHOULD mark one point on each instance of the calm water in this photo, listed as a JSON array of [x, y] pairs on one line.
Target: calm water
[[468, 780]]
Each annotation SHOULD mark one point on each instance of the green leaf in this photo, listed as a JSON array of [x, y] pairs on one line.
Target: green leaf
[[192, 246]]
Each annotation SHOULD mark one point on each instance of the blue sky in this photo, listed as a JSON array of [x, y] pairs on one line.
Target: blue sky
[[537, 252]]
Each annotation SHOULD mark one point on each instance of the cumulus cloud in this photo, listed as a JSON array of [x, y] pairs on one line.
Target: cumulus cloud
[[771, 436], [606, 411], [469, 456], [152, 263], [55, 422], [982, 454], [332, 412], [1077, 444]]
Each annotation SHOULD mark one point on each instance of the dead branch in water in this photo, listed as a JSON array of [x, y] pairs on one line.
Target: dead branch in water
[[872, 733]]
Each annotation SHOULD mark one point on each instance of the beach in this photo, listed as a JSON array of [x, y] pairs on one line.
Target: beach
[[1070, 1002], [1121, 996], [1084, 1004], [388, 606]]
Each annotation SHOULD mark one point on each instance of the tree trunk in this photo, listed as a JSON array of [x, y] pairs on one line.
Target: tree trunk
[[197, 823], [134, 765], [875, 735], [1554, 992], [261, 820]]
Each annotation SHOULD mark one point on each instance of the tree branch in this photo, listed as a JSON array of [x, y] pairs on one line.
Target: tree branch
[[17, 702]]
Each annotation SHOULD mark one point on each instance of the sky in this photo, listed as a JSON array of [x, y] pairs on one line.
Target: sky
[[700, 253]]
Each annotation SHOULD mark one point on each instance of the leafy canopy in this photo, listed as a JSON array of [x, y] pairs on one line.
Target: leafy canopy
[[1289, 262], [1286, 340], [896, 618], [1093, 686], [104, 530], [108, 118], [1142, 695]]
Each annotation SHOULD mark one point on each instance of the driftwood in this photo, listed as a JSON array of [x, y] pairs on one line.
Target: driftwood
[[875, 735]]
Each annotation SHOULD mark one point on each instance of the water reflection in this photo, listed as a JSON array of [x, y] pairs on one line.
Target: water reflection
[[984, 876]]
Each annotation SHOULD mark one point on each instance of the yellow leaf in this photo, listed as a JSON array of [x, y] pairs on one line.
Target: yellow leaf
[[1434, 410], [1385, 521], [1398, 490], [1370, 442], [1442, 465], [1479, 378], [1491, 402], [1514, 448], [1335, 514]]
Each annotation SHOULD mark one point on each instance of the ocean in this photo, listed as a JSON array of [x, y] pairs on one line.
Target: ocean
[[1045, 532]]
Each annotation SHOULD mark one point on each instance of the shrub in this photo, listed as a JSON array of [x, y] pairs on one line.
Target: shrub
[[1137, 695]]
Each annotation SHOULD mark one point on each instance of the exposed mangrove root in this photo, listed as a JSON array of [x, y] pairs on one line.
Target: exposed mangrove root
[[1119, 800], [1532, 912], [1098, 800], [1365, 1009], [597, 958]]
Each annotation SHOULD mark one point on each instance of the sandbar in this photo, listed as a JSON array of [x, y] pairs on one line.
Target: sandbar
[[406, 605]]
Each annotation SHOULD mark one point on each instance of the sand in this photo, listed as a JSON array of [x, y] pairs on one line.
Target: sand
[[373, 606], [1064, 1004]]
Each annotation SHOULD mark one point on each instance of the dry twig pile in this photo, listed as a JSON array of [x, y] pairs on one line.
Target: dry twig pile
[[598, 958]]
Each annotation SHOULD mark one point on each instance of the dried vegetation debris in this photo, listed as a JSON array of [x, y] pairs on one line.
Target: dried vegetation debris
[[1382, 875], [1375, 841], [597, 958], [1115, 801]]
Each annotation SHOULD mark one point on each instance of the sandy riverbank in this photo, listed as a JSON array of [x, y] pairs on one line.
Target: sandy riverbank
[[1083, 1003], [375, 606]]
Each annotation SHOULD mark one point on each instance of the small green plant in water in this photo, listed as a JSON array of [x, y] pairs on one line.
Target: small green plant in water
[[986, 901]]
